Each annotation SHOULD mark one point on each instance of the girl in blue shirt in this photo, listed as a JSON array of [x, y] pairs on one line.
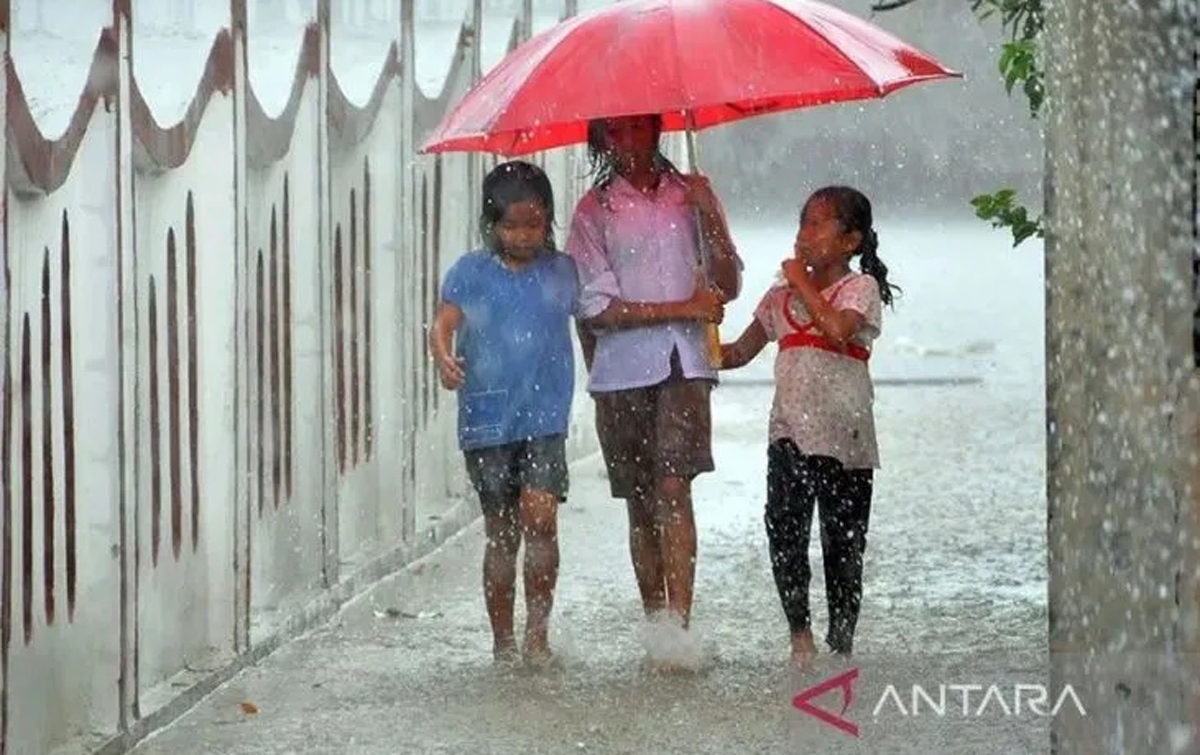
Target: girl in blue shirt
[[502, 339]]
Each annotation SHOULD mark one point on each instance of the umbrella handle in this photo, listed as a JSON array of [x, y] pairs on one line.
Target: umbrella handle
[[712, 334]]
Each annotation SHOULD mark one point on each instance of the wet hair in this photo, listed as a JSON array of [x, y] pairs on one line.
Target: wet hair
[[853, 211], [603, 165], [508, 184]]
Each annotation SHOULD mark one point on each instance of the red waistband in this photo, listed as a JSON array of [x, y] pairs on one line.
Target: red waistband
[[816, 341]]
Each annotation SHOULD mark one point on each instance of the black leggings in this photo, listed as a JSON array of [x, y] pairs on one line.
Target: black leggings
[[797, 483]]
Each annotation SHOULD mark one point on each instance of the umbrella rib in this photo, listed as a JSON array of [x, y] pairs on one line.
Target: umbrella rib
[[819, 31], [675, 57]]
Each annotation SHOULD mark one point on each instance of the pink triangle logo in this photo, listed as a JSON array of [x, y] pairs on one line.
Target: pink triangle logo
[[843, 682]]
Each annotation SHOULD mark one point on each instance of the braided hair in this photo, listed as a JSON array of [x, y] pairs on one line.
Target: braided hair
[[853, 211]]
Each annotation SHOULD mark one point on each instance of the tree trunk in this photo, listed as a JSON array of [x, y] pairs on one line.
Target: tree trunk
[[1121, 375]]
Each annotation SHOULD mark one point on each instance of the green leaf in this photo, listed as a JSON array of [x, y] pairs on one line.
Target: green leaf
[[1003, 211]]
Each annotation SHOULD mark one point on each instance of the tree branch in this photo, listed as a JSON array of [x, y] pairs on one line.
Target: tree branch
[[887, 5]]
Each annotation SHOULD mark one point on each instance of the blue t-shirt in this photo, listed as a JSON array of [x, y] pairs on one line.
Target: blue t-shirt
[[515, 341]]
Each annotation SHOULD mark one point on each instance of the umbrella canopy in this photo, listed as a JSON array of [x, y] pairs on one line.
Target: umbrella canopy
[[698, 63]]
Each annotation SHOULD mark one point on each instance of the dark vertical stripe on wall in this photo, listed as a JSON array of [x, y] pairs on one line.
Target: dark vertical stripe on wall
[[68, 397], [26, 481], [48, 513], [193, 377], [368, 300], [273, 346], [339, 353], [287, 340], [260, 379], [174, 430], [155, 431], [355, 410]]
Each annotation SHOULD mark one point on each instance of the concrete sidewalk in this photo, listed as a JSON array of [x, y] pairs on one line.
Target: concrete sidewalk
[[955, 594]]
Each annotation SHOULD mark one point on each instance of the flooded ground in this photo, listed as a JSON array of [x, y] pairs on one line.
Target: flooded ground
[[955, 577]]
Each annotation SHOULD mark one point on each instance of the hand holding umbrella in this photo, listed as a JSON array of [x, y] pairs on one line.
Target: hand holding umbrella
[[706, 305], [708, 215]]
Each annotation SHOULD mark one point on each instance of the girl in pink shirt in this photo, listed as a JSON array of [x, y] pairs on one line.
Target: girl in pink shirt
[[635, 244]]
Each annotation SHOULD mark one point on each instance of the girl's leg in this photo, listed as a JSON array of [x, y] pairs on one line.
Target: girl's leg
[[493, 474], [844, 513], [539, 524], [500, 577], [645, 549], [788, 519], [682, 452], [677, 524], [625, 428]]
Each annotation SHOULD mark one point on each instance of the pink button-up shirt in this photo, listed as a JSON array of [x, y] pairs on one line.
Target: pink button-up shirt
[[639, 248]]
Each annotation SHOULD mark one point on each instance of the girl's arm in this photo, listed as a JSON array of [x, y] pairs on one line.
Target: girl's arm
[[587, 343], [726, 273], [705, 305], [838, 325], [601, 305], [441, 345], [726, 268], [748, 345]]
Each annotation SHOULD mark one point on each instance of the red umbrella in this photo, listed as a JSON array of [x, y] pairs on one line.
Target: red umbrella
[[697, 62]]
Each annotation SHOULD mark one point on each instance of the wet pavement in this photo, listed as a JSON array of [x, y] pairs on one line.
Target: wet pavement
[[955, 594]]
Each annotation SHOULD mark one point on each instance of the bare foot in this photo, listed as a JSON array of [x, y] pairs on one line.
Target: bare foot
[[804, 650], [841, 659], [670, 647], [540, 660], [537, 649], [505, 653]]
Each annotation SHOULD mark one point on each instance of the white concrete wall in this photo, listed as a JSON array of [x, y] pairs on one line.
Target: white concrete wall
[[57, 668], [218, 417]]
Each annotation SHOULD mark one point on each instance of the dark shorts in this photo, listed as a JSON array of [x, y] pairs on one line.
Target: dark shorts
[[647, 434], [500, 473]]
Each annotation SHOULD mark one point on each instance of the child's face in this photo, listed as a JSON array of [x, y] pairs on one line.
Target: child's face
[[522, 230], [633, 140], [820, 241]]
